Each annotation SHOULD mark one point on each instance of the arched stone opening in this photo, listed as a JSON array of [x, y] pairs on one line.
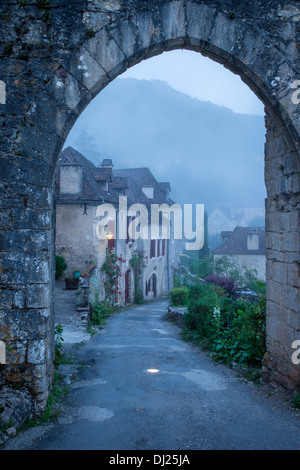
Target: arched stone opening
[[47, 93]]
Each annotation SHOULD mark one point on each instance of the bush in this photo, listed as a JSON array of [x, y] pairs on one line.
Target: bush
[[60, 266], [100, 311], [205, 290], [233, 329], [201, 267], [179, 296], [204, 303], [227, 266], [226, 283], [249, 333]]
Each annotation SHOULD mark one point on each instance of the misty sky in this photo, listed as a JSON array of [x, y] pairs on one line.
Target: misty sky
[[216, 143], [201, 78]]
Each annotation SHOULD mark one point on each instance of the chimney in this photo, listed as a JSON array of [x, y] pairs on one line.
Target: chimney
[[70, 178], [225, 235], [252, 239], [107, 163]]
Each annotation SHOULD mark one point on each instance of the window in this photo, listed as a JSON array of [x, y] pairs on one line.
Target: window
[[152, 248], [163, 247], [111, 230], [148, 191], [129, 220], [158, 248]]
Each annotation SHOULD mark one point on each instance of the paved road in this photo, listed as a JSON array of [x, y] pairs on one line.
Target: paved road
[[190, 403]]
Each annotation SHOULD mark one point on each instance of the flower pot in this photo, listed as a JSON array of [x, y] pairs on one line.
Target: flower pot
[[72, 284], [76, 274]]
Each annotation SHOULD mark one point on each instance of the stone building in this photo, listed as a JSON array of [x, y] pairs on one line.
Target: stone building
[[161, 253], [248, 246], [80, 189]]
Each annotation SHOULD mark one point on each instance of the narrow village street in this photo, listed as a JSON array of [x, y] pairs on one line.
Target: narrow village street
[[140, 386]]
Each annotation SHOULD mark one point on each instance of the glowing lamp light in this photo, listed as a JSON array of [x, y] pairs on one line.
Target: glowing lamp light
[[153, 371], [109, 235]]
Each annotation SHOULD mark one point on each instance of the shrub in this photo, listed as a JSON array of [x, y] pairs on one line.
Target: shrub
[[58, 343], [233, 329], [206, 290], [179, 296], [60, 266], [101, 310], [296, 400], [249, 331], [227, 266], [201, 267], [199, 318], [226, 283], [204, 302], [242, 340]]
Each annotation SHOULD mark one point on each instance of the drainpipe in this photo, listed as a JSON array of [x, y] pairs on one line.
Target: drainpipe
[[168, 265]]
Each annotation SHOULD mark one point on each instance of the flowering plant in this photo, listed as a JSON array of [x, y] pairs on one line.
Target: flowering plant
[[112, 268]]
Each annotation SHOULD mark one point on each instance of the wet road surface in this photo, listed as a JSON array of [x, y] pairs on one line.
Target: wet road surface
[[186, 403]]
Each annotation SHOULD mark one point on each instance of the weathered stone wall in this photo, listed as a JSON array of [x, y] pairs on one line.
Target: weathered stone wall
[[76, 239], [56, 55], [282, 176]]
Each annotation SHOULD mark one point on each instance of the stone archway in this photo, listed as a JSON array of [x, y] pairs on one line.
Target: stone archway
[[56, 59]]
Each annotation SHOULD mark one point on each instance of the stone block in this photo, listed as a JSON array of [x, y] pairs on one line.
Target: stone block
[[24, 268], [275, 146], [20, 325], [36, 352], [200, 19], [172, 17], [279, 272], [293, 274], [17, 406], [38, 296], [16, 353], [104, 49]]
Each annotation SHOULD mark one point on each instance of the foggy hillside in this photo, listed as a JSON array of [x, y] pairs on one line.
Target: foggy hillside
[[209, 154]]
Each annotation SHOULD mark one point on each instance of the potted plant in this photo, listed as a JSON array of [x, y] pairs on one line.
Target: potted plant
[[76, 274], [72, 283]]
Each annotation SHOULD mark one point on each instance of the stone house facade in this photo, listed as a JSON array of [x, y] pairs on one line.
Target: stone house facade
[[248, 246], [81, 188]]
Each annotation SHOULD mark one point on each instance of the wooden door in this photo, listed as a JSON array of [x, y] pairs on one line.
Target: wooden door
[[127, 287]]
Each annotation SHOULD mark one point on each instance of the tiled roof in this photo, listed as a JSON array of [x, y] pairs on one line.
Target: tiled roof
[[91, 191], [236, 243], [102, 174], [128, 182], [119, 182], [165, 186], [137, 179]]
